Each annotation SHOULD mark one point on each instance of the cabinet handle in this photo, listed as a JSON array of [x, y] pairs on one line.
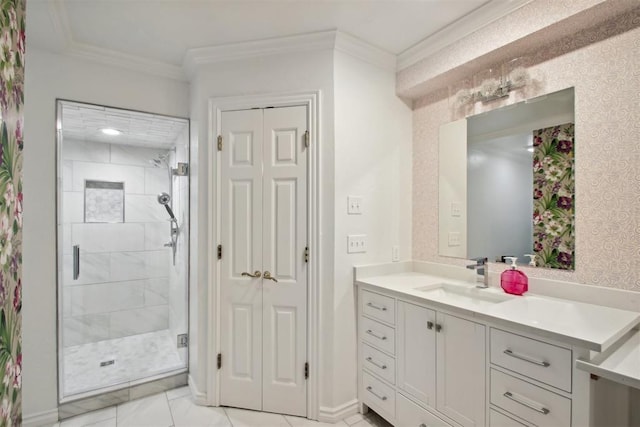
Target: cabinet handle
[[423, 425], [380, 337], [438, 327], [540, 408], [255, 274], [370, 390], [527, 359], [373, 362], [372, 305], [429, 324]]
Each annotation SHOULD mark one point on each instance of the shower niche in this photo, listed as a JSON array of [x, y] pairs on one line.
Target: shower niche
[[123, 238]]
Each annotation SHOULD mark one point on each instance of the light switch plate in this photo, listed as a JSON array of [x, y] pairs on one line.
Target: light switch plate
[[356, 243], [354, 205], [395, 253], [456, 209], [454, 238]]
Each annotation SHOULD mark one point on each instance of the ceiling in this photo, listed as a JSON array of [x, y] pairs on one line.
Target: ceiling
[[164, 30], [85, 122]]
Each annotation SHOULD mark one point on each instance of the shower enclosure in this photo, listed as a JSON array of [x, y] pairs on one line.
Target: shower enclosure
[[123, 238]]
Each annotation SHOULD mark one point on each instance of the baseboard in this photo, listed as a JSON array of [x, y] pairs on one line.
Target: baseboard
[[335, 414], [46, 418], [199, 398]]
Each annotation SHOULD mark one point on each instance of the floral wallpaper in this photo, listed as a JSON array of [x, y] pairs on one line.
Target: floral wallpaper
[[553, 197], [12, 48]]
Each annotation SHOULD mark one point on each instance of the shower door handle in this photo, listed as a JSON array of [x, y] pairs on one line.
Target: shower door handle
[[76, 262]]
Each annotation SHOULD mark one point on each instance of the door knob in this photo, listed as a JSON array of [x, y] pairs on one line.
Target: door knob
[[256, 274], [268, 276]]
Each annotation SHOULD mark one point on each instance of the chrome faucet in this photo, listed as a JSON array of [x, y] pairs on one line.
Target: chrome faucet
[[482, 268]]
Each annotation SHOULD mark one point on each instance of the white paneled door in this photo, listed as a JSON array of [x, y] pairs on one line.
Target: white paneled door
[[263, 232]]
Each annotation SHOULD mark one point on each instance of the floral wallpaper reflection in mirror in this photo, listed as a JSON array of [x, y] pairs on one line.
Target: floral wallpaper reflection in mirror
[[554, 197], [12, 47]]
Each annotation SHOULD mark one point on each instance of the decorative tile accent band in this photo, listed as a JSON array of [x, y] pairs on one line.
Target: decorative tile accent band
[[12, 47]]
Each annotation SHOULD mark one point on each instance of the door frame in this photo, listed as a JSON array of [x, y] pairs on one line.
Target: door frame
[[217, 105]]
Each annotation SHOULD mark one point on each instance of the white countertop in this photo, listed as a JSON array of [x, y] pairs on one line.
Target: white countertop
[[622, 365], [588, 326]]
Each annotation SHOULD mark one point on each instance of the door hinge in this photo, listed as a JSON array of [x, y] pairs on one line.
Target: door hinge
[[306, 370], [219, 251], [219, 360], [306, 138], [183, 340], [306, 254], [219, 142]]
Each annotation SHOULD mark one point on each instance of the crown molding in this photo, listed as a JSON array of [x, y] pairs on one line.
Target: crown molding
[[364, 51], [474, 21], [257, 48], [106, 56]]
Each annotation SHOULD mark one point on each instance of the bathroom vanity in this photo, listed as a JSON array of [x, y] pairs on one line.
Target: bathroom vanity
[[434, 351]]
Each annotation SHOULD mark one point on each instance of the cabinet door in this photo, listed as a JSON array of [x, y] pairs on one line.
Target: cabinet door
[[461, 370], [417, 352]]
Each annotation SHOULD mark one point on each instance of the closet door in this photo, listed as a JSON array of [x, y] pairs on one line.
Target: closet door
[[241, 237], [284, 241], [263, 223]]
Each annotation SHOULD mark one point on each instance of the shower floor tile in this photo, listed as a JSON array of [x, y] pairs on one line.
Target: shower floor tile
[[135, 357]]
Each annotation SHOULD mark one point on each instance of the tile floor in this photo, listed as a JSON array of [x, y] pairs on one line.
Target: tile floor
[[175, 408]]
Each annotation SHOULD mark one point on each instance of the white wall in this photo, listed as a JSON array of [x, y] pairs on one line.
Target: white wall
[[50, 76], [372, 160]]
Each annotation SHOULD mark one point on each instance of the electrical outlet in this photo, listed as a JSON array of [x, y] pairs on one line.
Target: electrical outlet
[[456, 209], [454, 238], [354, 205], [395, 253], [356, 243]]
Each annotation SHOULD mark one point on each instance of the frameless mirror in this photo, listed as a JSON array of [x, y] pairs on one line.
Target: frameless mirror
[[507, 183]]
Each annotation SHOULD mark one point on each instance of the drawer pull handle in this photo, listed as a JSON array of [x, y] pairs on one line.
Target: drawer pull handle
[[527, 359], [540, 408], [372, 305], [370, 390], [373, 362], [423, 425], [380, 337]]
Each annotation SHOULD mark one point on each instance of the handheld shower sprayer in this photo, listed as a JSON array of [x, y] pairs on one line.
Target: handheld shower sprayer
[[164, 199]]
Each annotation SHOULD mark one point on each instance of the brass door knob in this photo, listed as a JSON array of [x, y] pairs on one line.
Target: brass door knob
[[268, 276], [256, 274]]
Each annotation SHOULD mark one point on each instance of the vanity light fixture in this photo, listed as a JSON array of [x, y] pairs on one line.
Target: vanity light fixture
[[494, 83], [111, 131]]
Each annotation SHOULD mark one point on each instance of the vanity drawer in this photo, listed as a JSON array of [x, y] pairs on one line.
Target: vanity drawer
[[529, 402], [379, 307], [411, 415], [496, 419], [379, 363], [378, 335], [378, 395], [544, 362]]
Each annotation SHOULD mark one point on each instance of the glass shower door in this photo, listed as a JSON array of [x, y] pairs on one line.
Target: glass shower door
[[123, 249]]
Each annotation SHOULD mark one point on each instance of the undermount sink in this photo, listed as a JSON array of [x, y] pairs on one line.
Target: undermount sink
[[463, 295]]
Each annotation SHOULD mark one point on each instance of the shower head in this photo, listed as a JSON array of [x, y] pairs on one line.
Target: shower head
[[164, 199], [162, 159]]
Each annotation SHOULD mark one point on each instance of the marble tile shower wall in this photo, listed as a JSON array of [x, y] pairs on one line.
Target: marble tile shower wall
[[123, 288]]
